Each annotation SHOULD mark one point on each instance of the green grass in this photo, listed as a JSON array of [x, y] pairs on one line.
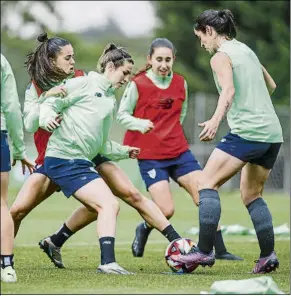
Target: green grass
[[81, 254]]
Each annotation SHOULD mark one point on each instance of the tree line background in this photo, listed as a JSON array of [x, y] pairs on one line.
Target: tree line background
[[263, 25]]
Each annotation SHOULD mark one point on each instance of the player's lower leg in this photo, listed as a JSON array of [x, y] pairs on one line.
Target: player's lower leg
[[209, 215], [262, 221], [51, 245], [221, 252], [8, 274]]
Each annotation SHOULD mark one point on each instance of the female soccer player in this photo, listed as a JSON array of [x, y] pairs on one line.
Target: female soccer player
[[153, 109], [55, 59], [252, 145], [11, 124], [83, 94]]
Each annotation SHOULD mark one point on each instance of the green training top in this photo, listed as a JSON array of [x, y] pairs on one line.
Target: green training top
[[31, 107], [11, 117], [252, 115], [130, 97], [88, 111]]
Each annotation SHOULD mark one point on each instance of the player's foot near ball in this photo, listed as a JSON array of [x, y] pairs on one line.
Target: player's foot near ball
[[266, 264], [53, 252], [227, 256], [113, 267], [195, 256]]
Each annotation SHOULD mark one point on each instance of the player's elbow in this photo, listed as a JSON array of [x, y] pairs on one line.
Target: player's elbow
[[231, 92], [273, 86]]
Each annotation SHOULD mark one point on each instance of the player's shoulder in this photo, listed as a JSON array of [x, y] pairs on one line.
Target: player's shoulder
[[179, 78], [219, 59]]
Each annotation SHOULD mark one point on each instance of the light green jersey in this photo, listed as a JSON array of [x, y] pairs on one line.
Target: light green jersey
[[252, 115], [88, 112], [11, 117], [130, 97], [31, 107]]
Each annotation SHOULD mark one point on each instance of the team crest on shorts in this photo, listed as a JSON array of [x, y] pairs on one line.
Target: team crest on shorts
[[152, 173]]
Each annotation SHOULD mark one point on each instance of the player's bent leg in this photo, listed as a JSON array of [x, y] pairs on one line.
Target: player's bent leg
[[161, 195], [35, 190], [122, 187], [80, 218], [52, 245], [97, 196], [253, 178]]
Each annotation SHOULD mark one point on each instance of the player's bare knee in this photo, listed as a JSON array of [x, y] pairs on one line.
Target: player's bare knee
[[18, 213], [248, 195], [112, 206], [168, 212]]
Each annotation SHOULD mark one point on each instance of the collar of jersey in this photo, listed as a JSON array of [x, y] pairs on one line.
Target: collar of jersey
[[159, 79], [104, 84]]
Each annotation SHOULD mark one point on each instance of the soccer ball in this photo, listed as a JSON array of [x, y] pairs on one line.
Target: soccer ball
[[176, 247]]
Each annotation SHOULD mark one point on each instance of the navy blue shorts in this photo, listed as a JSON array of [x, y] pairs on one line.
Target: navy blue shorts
[[153, 171], [39, 169], [260, 153], [99, 159], [5, 152], [70, 174]]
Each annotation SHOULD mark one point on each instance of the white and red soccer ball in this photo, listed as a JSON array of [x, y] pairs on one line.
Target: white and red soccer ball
[[177, 247]]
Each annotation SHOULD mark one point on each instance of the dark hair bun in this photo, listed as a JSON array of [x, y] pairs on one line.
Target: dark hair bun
[[225, 13], [109, 47], [42, 37]]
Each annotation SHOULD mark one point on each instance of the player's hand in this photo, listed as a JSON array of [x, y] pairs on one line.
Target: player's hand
[[54, 123], [209, 131], [149, 127], [133, 152], [57, 91], [59, 118], [25, 163]]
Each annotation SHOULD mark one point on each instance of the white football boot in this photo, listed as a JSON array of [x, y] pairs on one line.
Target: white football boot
[[8, 275], [113, 267]]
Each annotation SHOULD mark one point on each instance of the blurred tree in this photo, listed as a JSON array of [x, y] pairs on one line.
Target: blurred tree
[[25, 15], [262, 25]]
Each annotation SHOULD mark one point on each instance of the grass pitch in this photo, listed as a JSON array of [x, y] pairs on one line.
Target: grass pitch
[[81, 254]]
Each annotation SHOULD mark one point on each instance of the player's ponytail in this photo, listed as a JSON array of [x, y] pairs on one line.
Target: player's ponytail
[[109, 47], [42, 37], [222, 21], [115, 54], [39, 63]]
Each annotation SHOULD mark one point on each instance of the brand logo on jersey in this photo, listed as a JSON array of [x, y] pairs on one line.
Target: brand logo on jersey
[[98, 94], [152, 173], [164, 103]]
